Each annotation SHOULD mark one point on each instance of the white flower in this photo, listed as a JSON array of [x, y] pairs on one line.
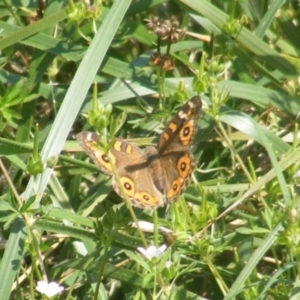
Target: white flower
[[152, 251], [50, 289]]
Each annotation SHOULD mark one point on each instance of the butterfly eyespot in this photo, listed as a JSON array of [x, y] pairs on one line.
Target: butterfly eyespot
[[186, 131], [105, 158], [146, 199], [128, 186], [184, 166], [175, 188]]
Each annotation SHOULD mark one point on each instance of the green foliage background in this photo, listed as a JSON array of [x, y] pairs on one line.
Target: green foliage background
[[235, 232]]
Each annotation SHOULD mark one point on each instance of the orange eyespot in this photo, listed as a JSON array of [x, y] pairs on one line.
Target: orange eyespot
[[184, 166], [103, 161], [146, 198], [186, 133], [99, 157], [128, 186], [175, 188]]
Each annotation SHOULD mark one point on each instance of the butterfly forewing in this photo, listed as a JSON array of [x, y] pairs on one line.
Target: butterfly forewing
[[181, 129], [89, 141], [174, 148]]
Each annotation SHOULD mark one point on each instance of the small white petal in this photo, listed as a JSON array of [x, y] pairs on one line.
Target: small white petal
[[152, 251], [162, 248], [50, 289], [143, 251]]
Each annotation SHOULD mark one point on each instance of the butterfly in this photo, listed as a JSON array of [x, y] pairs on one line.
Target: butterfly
[[158, 175]]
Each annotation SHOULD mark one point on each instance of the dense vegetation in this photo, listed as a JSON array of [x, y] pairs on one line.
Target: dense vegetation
[[122, 68]]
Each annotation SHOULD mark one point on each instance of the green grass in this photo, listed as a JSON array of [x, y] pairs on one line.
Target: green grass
[[234, 234]]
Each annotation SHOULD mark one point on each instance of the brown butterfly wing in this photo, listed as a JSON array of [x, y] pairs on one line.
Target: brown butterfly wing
[[181, 129], [131, 169], [134, 175], [89, 141], [173, 148]]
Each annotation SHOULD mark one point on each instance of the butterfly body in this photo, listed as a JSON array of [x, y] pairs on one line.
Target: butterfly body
[[158, 175]]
